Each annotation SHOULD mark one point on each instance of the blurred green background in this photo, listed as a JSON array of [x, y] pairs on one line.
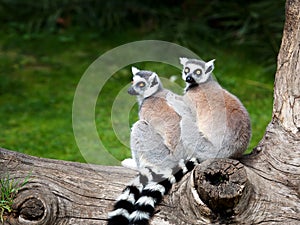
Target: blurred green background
[[46, 46]]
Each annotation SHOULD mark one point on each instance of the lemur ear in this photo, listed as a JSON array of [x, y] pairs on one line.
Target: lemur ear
[[134, 70], [153, 79], [209, 66], [183, 60]]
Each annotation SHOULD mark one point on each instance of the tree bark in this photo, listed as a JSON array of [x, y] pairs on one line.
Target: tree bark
[[286, 110], [262, 188], [60, 192]]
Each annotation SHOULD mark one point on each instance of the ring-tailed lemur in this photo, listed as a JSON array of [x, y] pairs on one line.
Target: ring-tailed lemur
[[213, 124], [218, 114], [156, 149]]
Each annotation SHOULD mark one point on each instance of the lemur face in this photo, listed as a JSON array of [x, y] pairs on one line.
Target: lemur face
[[196, 71], [145, 83]]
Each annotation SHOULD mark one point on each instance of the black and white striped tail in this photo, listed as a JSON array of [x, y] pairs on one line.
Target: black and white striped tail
[[154, 191], [124, 205]]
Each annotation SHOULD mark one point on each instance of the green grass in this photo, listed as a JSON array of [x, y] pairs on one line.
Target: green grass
[[8, 190], [39, 75]]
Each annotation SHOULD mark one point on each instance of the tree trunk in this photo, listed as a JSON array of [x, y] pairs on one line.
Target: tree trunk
[[286, 110], [263, 188]]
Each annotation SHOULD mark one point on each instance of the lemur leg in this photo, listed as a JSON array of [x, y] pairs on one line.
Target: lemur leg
[[195, 142], [148, 148]]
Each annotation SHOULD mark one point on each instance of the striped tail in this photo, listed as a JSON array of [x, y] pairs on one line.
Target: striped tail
[[124, 205], [154, 191]]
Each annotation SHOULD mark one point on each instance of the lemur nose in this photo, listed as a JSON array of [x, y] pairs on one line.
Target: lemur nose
[[189, 79]]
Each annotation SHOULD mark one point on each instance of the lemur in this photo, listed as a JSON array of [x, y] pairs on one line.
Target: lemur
[[157, 152], [218, 114], [212, 124]]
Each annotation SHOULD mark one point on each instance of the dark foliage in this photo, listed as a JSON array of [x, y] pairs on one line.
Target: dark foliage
[[249, 23]]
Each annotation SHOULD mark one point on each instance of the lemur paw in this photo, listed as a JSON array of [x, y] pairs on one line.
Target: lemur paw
[[129, 163]]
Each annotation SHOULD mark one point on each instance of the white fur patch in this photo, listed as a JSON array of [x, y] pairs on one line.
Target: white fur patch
[[155, 187], [183, 60], [194, 160], [182, 166], [119, 212], [138, 215], [129, 163], [134, 70], [172, 179], [126, 195], [146, 200]]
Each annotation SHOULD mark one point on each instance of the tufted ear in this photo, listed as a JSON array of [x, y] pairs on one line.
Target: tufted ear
[[134, 70], [183, 60], [153, 79], [209, 66]]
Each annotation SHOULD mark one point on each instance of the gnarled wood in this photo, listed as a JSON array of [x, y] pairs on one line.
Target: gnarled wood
[[286, 109], [221, 184], [60, 192]]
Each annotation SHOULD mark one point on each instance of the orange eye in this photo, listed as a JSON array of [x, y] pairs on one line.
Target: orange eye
[[141, 84]]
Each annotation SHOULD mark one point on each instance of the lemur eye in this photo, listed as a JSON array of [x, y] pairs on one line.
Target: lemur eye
[[141, 84], [186, 70], [198, 72]]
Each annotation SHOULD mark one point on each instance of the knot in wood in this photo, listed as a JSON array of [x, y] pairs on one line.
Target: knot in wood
[[220, 184], [36, 206], [32, 209]]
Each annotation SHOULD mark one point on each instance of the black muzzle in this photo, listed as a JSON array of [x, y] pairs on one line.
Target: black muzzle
[[131, 91], [190, 80]]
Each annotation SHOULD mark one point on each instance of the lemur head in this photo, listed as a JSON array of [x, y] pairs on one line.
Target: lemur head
[[196, 71], [145, 83]]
